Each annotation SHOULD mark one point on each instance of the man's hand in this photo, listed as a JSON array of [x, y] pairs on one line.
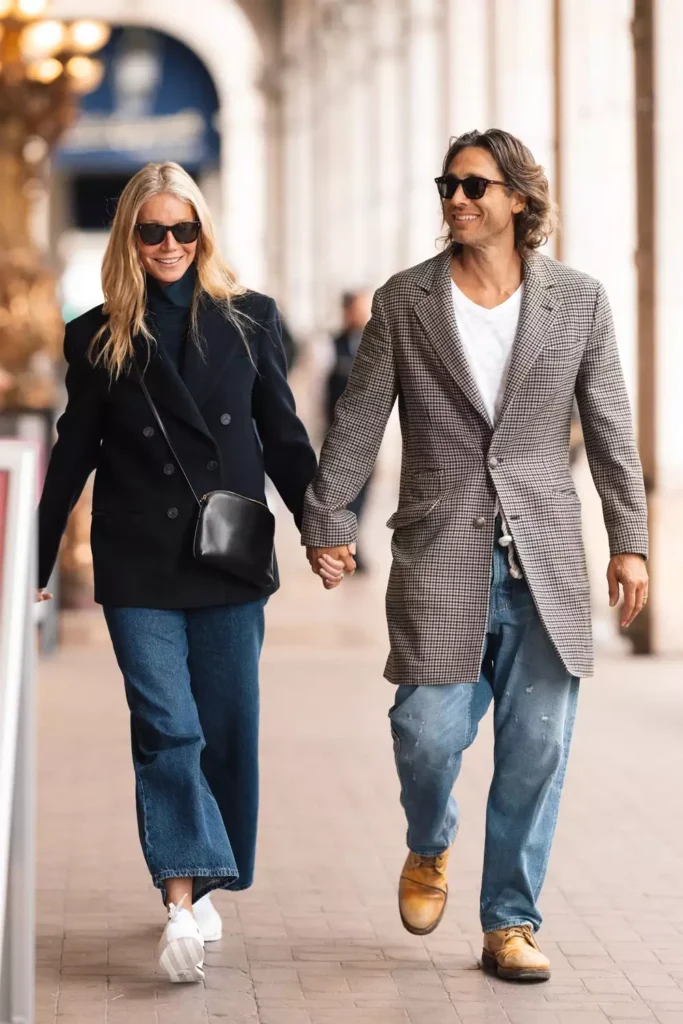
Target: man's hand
[[331, 564], [631, 572]]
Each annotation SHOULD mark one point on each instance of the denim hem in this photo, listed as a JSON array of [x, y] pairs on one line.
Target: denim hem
[[515, 922], [437, 853], [161, 876]]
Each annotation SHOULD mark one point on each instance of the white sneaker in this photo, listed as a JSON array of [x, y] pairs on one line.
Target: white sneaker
[[181, 949], [208, 919]]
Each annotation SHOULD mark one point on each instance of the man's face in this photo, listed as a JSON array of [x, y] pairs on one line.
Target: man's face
[[480, 223], [357, 313]]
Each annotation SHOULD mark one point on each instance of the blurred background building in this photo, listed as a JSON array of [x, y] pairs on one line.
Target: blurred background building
[[316, 127]]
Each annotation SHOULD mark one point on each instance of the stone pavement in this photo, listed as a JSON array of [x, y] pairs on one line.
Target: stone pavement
[[318, 939]]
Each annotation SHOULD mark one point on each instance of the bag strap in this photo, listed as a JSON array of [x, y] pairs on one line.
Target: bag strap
[[162, 428]]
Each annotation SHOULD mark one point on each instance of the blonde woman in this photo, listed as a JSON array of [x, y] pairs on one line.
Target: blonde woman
[[187, 636]]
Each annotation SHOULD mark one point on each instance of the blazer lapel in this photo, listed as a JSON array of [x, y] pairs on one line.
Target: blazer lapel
[[539, 308], [205, 364], [437, 316], [167, 387]]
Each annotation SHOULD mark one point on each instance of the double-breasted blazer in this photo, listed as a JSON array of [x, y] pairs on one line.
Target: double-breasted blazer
[[456, 465], [231, 418]]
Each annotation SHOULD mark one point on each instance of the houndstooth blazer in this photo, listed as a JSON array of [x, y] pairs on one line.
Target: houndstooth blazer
[[455, 464]]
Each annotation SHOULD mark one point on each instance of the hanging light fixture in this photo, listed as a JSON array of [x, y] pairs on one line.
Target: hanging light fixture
[[42, 39], [85, 73], [87, 36]]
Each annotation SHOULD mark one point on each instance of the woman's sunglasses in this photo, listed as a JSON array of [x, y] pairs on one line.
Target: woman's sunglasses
[[184, 232], [473, 186]]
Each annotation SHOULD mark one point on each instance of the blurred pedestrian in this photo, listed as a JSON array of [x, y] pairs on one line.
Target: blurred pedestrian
[[355, 315], [487, 346], [177, 388]]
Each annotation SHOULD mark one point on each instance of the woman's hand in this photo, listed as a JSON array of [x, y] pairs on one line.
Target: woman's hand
[[331, 564], [42, 595]]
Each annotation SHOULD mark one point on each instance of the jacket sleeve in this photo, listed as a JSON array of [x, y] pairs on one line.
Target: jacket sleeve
[[289, 458], [350, 449], [609, 438], [74, 456]]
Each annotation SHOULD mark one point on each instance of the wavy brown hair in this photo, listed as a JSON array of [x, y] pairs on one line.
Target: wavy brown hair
[[123, 279], [537, 221]]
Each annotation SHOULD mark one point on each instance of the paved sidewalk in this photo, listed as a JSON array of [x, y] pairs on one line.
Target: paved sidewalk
[[318, 939]]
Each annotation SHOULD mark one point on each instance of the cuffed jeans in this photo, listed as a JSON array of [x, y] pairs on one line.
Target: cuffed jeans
[[534, 700], [191, 680]]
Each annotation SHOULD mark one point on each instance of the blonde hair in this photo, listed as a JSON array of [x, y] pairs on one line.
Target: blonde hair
[[123, 278]]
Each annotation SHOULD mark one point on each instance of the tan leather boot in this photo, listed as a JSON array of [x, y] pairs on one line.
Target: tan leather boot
[[513, 953], [422, 892]]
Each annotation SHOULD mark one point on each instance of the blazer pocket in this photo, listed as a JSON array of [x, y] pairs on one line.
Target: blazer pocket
[[412, 513], [562, 350], [425, 486]]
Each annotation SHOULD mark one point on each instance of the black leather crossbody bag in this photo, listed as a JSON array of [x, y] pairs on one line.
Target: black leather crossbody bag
[[233, 533]]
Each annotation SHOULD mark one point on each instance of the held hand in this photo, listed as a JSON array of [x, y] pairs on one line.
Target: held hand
[[629, 571], [42, 595], [331, 564]]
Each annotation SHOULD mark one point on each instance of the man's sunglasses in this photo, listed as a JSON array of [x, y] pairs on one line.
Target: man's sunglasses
[[184, 232], [473, 186]]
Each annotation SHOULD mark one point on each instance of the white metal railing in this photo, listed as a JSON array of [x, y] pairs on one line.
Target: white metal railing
[[18, 487]]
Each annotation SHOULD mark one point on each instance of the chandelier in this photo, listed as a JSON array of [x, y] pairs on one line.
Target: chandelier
[[44, 50]]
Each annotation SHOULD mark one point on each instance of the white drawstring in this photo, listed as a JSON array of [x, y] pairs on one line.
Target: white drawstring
[[506, 541]]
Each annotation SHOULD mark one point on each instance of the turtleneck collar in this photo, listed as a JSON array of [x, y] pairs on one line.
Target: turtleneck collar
[[177, 295]]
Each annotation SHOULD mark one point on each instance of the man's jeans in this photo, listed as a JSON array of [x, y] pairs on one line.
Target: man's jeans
[[534, 700], [191, 681]]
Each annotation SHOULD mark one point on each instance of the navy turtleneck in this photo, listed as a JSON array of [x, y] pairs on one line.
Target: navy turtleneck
[[169, 306]]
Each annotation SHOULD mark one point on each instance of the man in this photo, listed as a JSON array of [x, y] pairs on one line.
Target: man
[[355, 315], [487, 346]]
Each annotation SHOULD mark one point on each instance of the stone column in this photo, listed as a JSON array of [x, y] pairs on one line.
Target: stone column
[[598, 215], [297, 213], [669, 319], [388, 138], [423, 99]]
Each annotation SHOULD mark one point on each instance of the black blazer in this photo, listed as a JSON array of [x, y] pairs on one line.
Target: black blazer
[[230, 420]]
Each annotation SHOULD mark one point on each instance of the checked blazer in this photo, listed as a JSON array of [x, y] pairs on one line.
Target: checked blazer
[[455, 464]]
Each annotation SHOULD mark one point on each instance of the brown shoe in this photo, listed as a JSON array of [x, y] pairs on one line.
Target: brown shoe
[[422, 892], [513, 953]]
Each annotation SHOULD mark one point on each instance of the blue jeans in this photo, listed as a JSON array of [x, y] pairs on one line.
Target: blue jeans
[[534, 699], [191, 680]]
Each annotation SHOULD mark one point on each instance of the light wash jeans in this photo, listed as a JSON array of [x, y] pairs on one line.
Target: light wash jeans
[[534, 699]]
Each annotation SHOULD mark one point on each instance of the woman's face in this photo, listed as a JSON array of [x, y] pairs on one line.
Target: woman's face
[[168, 260]]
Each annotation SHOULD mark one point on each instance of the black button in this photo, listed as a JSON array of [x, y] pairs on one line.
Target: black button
[[169, 469], [479, 522], [212, 465], [148, 432], [172, 513], [225, 418], [514, 517]]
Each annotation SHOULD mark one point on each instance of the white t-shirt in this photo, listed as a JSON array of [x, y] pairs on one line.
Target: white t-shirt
[[487, 336]]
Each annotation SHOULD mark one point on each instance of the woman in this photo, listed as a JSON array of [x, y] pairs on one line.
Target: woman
[[187, 637]]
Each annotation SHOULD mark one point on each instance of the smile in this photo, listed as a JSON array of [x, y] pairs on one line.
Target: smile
[[466, 216], [168, 262]]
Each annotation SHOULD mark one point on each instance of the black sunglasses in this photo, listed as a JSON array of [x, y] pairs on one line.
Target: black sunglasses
[[184, 232], [473, 186]]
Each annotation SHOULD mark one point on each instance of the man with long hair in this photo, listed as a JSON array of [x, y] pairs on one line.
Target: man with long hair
[[487, 347]]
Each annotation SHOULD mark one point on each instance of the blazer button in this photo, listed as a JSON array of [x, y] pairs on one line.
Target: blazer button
[[148, 432], [169, 469], [212, 465], [493, 462], [225, 418], [479, 522], [172, 513]]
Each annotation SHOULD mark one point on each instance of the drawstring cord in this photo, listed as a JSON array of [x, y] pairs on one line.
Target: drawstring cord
[[506, 541]]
